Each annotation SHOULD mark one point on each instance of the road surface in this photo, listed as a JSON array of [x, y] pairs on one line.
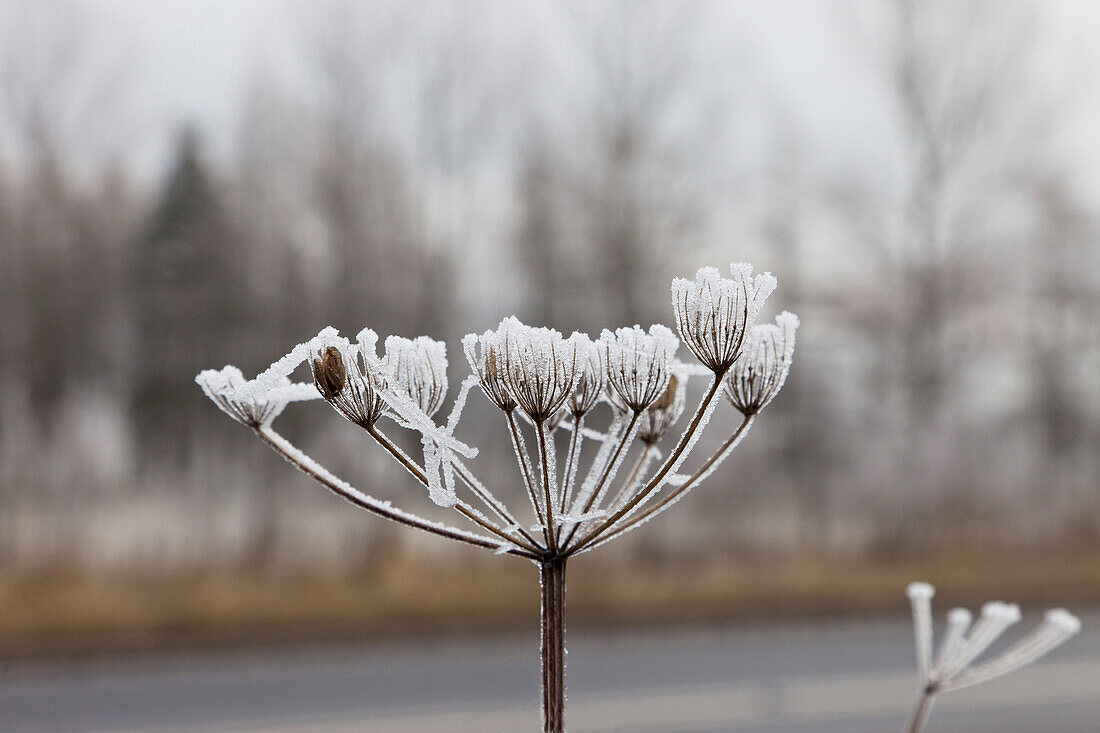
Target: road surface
[[830, 676]]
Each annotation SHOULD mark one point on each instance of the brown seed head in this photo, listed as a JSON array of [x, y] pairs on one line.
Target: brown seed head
[[665, 400], [329, 373]]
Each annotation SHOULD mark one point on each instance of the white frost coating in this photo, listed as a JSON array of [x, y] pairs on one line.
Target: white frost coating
[[439, 444], [590, 382], [707, 410], [1057, 627], [920, 598], [527, 467], [541, 367], [460, 403], [958, 650], [272, 377], [759, 374], [638, 363], [958, 621], [486, 356], [554, 380], [994, 620], [419, 367], [677, 481], [649, 454], [271, 386], [310, 466], [551, 467], [603, 489], [349, 384], [595, 470], [568, 520], [226, 388], [714, 314], [726, 452]]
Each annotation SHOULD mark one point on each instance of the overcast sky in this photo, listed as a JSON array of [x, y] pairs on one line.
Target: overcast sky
[[191, 58]]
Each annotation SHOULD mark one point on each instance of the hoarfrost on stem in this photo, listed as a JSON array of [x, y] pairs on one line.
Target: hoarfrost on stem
[[962, 644], [547, 382]]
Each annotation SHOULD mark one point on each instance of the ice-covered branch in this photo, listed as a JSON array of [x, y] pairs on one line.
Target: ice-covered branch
[[951, 668], [384, 509], [645, 513]]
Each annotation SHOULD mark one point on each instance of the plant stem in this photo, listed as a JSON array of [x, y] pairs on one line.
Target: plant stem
[[921, 712], [552, 646], [322, 476], [666, 501]]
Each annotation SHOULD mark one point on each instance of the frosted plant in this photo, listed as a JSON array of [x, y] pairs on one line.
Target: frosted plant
[[757, 378], [962, 644], [546, 385], [419, 366], [714, 313]]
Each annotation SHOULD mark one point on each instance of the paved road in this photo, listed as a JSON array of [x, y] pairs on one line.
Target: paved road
[[845, 676]]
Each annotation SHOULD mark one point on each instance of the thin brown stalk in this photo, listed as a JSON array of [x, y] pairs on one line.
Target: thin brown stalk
[[611, 462], [461, 507], [544, 465], [552, 645], [670, 498], [493, 504], [284, 448], [921, 712], [655, 482], [570, 474], [632, 479], [525, 469]]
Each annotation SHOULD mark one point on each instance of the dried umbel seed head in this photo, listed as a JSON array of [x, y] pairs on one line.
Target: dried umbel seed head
[[486, 355], [541, 367], [344, 382], [952, 668], [713, 313], [222, 387], [590, 382], [663, 413], [418, 367], [759, 374], [329, 373], [638, 363]]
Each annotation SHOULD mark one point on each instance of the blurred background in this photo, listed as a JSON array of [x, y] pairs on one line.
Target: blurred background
[[190, 183]]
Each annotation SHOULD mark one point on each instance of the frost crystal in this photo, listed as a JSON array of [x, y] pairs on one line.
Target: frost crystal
[[228, 389], [352, 387], [714, 313], [590, 382], [759, 374], [540, 366], [486, 355], [419, 368], [951, 669], [638, 363], [663, 414]]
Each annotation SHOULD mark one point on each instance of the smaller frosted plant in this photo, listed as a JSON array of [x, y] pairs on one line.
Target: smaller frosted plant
[[953, 668], [545, 384]]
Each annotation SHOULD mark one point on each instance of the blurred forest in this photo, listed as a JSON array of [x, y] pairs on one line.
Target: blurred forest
[[431, 167]]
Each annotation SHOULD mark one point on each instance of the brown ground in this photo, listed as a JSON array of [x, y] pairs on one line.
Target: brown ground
[[62, 611]]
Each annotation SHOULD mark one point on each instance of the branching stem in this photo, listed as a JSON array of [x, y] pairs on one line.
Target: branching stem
[[921, 711], [658, 478], [611, 463], [461, 507], [544, 466], [322, 476], [669, 499], [525, 468]]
